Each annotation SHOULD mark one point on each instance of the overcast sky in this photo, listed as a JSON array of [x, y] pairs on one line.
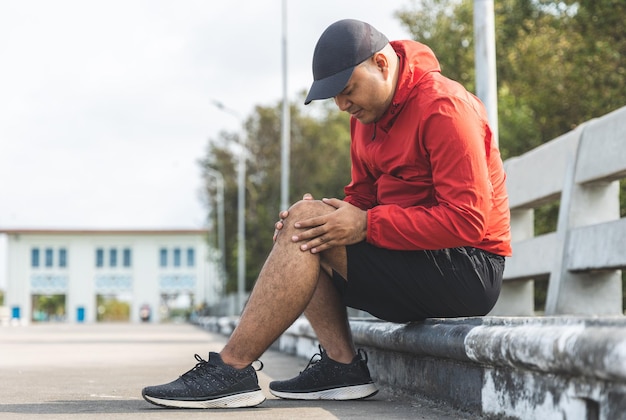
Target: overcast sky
[[105, 106]]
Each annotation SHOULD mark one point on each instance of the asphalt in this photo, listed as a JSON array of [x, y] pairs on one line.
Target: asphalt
[[91, 371]]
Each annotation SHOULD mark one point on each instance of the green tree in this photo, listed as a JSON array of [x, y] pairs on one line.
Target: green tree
[[48, 307], [559, 63], [110, 309]]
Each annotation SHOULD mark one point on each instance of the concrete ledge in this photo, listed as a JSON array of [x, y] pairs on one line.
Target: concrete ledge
[[503, 367]]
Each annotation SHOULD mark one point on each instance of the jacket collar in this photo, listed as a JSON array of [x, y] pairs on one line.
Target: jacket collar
[[416, 61]]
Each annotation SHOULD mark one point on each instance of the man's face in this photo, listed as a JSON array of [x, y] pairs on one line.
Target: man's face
[[367, 94]]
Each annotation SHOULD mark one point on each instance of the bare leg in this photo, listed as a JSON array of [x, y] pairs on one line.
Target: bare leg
[[328, 317], [285, 286]]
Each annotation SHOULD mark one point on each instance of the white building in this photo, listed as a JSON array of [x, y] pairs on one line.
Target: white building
[[145, 268]]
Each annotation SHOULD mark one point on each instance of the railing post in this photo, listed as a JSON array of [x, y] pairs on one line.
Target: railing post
[[584, 293], [517, 297]]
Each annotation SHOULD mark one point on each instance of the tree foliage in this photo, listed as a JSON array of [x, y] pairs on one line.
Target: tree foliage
[[559, 63], [48, 307]]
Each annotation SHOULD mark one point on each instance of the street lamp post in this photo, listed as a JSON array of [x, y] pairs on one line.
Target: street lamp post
[[219, 181], [286, 121], [241, 226], [241, 205], [485, 61]]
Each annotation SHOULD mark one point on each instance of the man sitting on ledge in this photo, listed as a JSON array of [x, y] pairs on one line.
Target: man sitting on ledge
[[422, 231]]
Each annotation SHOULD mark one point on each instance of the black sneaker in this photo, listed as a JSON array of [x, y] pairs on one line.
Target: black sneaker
[[210, 384], [326, 379]]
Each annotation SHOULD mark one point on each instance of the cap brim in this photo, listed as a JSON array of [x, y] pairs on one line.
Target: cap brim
[[329, 87]]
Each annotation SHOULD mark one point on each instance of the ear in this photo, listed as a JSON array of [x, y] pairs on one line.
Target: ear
[[380, 60], [382, 63]]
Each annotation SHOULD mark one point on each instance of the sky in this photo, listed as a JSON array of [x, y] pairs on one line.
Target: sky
[[106, 106]]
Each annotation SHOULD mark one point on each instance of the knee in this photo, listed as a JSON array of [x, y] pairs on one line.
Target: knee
[[308, 208], [302, 210]]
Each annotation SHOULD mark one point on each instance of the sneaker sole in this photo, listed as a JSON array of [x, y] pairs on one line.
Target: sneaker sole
[[247, 399], [354, 392]]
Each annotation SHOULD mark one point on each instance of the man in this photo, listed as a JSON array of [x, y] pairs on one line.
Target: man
[[422, 231]]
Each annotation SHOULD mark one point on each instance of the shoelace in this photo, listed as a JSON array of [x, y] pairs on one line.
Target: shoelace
[[193, 372], [203, 364], [313, 361]]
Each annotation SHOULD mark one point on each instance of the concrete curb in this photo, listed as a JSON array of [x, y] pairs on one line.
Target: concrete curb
[[505, 367], [577, 349]]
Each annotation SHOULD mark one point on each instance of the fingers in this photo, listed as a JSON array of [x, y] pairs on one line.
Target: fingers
[[335, 202], [316, 239], [311, 222], [309, 234], [317, 245], [277, 227]]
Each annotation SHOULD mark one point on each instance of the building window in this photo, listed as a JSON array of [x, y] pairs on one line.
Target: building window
[[49, 257], [113, 257], [62, 257], [34, 257], [191, 257], [163, 257], [176, 257], [99, 257], [126, 257]]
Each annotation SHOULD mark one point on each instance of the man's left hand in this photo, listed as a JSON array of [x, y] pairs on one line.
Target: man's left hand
[[345, 226]]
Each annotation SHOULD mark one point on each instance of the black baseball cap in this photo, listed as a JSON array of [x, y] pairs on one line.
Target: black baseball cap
[[343, 46]]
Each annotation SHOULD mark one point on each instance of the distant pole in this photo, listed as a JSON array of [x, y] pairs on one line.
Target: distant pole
[[485, 60], [241, 206], [219, 182], [241, 225], [285, 132]]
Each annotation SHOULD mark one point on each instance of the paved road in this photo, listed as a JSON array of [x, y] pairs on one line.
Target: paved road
[[62, 371]]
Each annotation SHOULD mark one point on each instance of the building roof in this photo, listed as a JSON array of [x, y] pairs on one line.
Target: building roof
[[104, 231]]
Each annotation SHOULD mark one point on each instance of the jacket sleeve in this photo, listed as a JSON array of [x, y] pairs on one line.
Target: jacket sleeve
[[455, 138]]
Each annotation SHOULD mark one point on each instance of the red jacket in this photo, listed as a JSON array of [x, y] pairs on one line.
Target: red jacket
[[428, 172]]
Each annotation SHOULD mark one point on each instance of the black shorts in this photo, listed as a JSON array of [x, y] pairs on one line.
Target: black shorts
[[404, 286]]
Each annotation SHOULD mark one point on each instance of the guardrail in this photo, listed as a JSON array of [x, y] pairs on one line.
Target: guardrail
[[583, 258]]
